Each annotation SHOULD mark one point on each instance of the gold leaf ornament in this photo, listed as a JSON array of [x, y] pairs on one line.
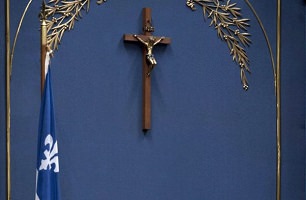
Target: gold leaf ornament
[[60, 16], [231, 28]]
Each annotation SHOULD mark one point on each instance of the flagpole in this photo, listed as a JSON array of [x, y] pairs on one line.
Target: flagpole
[[278, 100], [43, 45], [8, 101]]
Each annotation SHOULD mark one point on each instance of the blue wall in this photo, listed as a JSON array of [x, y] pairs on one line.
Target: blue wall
[[209, 139]]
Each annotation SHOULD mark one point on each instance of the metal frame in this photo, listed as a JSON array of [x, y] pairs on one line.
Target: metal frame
[[8, 67]]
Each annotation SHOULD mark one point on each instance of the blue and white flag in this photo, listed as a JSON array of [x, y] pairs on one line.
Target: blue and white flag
[[47, 169]]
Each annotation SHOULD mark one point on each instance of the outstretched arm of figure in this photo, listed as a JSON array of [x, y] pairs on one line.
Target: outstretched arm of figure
[[141, 40], [160, 39]]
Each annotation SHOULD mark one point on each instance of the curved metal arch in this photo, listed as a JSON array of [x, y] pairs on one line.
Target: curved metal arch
[[190, 3]]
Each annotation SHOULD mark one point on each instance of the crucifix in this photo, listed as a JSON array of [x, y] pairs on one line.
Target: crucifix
[[148, 41]]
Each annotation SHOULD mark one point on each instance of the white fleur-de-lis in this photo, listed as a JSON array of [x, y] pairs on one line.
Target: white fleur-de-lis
[[51, 155]]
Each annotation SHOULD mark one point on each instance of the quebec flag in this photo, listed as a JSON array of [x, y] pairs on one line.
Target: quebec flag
[[47, 169]]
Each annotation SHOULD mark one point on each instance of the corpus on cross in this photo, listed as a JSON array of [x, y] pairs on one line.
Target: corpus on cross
[[149, 44]]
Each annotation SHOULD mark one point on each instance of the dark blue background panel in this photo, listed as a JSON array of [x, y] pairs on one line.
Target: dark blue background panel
[[209, 140]]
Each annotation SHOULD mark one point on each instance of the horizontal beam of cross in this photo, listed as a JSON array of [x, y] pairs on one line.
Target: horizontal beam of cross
[[131, 38]]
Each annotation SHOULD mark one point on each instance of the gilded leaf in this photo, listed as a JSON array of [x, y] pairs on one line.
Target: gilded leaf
[[61, 16], [231, 28]]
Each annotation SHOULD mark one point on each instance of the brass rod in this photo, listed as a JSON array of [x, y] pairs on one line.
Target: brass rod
[[43, 51], [17, 32], [278, 100], [266, 38], [8, 101]]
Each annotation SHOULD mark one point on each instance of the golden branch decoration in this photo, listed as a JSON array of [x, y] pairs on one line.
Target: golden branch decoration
[[60, 16], [231, 28]]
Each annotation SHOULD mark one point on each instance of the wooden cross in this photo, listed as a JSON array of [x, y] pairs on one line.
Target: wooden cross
[[148, 61]]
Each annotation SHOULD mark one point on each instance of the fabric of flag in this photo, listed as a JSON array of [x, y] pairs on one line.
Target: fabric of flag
[[47, 171]]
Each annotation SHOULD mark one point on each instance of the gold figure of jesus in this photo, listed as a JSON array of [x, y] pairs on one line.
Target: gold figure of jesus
[[149, 44]]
